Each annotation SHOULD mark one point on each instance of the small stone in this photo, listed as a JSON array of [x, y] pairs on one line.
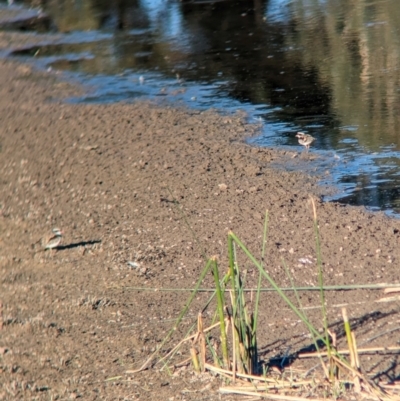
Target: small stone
[[133, 265]]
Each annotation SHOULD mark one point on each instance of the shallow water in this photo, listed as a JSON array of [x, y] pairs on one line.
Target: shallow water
[[330, 68]]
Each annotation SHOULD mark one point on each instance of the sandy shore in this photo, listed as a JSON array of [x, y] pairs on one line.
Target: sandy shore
[[160, 187]]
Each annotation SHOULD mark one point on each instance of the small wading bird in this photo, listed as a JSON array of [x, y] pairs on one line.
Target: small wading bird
[[305, 139], [52, 240]]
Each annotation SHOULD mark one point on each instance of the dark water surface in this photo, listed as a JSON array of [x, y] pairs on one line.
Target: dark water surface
[[330, 68]]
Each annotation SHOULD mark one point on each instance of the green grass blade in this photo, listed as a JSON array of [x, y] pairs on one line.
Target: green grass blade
[[321, 278], [276, 287], [264, 247], [221, 313]]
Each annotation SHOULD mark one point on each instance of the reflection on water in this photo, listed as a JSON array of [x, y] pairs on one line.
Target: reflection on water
[[330, 68]]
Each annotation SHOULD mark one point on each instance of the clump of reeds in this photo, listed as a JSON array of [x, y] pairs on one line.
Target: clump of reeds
[[232, 353]]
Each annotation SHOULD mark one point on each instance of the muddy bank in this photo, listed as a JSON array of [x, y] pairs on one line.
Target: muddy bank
[[160, 187]]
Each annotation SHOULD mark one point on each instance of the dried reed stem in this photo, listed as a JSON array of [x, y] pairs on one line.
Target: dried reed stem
[[192, 337], [202, 342], [260, 379], [226, 390], [1, 315], [347, 352]]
